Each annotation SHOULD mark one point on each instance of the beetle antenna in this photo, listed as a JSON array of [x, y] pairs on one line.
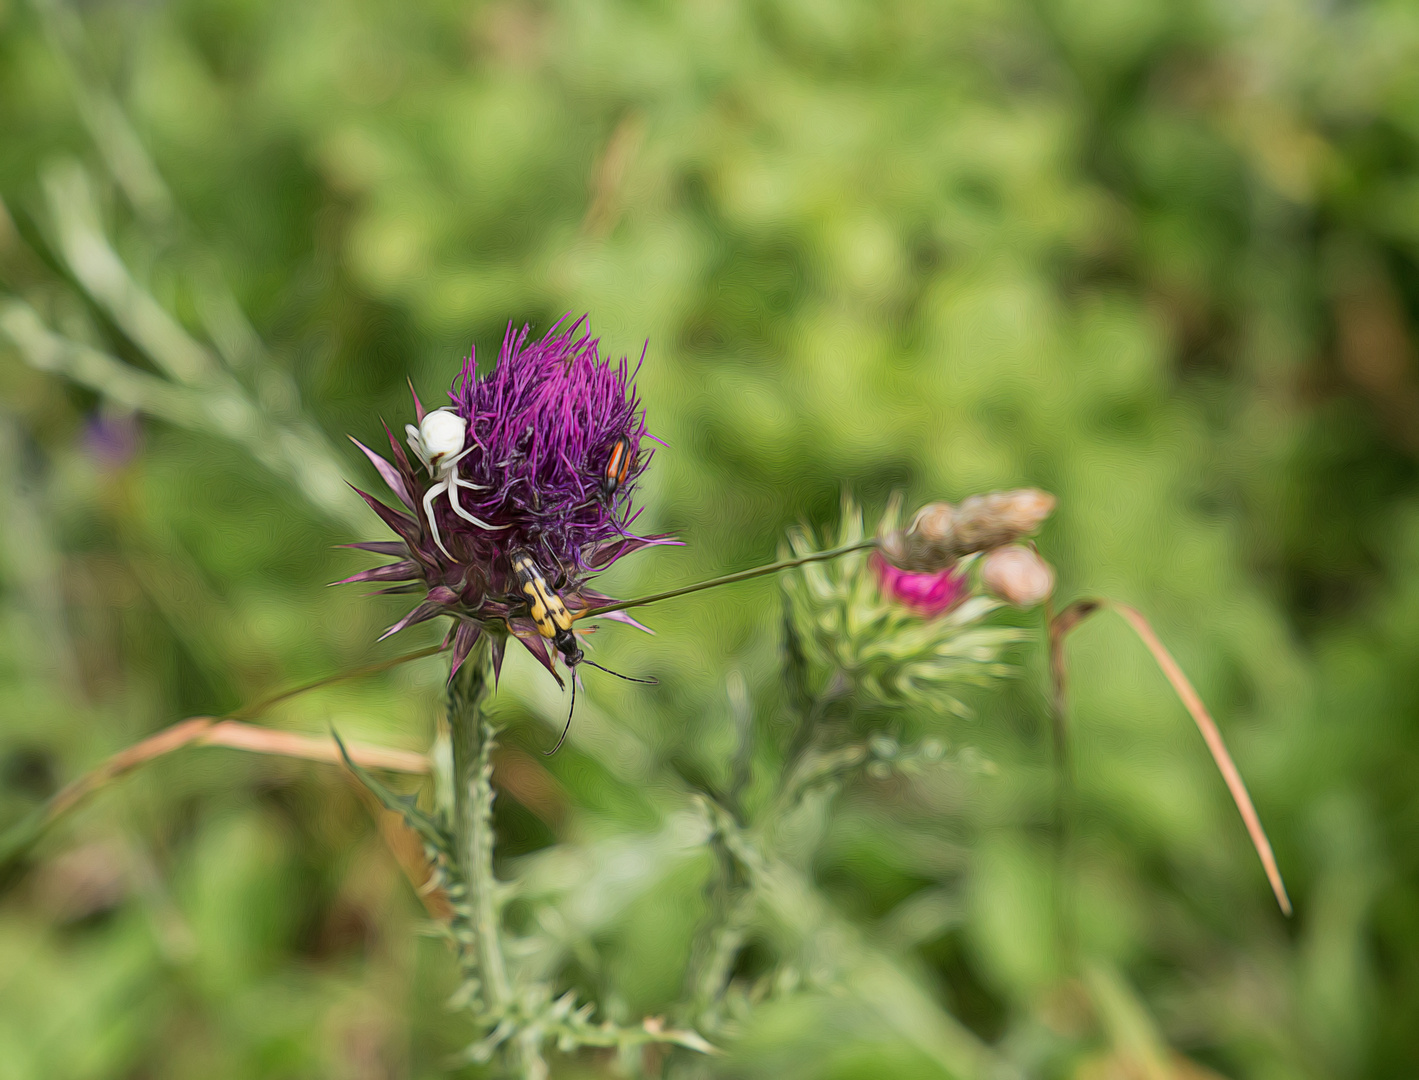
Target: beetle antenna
[[572, 711], [629, 678], [549, 753]]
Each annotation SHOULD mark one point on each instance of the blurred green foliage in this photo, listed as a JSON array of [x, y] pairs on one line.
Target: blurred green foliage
[[1159, 259]]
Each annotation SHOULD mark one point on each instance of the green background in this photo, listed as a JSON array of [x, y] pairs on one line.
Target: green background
[[1160, 259]]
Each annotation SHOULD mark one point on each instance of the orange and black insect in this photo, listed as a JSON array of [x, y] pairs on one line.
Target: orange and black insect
[[554, 622], [618, 467]]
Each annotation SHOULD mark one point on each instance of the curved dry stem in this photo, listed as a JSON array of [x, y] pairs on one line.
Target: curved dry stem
[[228, 731], [236, 735], [1074, 614], [1200, 716]]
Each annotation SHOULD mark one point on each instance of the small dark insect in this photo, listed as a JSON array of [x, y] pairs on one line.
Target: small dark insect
[[554, 622], [618, 466]]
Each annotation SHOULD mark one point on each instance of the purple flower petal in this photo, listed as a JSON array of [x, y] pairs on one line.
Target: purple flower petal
[[605, 552], [526, 632], [112, 439], [463, 640], [589, 598], [499, 645], [622, 617], [380, 547], [400, 571], [388, 472], [401, 459], [427, 610], [402, 524], [928, 594]]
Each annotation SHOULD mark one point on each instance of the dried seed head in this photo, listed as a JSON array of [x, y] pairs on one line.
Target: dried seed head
[[925, 546], [987, 521], [941, 533], [1017, 575], [933, 533]]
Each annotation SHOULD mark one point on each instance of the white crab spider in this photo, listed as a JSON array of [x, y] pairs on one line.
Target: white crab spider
[[438, 443]]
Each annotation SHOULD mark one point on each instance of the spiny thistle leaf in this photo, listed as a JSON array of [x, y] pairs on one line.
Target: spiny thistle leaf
[[432, 833]]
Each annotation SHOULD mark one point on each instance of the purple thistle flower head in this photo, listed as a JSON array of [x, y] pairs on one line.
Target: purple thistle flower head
[[540, 455], [541, 430]]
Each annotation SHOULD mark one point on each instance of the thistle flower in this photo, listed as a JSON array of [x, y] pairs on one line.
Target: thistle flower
[[112, 439], [929, 594], [517, 462], [846, 619]]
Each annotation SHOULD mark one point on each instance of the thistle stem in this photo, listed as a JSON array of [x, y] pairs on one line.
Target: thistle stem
[[730, 579], [246, 712], [471, 737], [1056, 629], [730, 897]]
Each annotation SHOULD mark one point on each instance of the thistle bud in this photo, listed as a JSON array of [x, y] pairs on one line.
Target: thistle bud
[[894, 636], [1017, 575], [927, 545], [941, 533], [987, 521]]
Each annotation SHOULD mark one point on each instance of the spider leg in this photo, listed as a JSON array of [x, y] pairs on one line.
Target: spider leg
[[454, 480], [453, 475], [429, 496], [454, 483]]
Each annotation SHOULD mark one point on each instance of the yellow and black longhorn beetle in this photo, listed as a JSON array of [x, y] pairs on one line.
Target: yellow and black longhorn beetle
[[554, 622]]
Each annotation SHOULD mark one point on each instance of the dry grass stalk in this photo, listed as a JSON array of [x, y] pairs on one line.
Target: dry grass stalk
[[1200, 716]]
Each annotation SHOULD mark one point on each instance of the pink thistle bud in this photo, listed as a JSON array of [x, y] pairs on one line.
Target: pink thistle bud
[[929, 594], [1017, 575]]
